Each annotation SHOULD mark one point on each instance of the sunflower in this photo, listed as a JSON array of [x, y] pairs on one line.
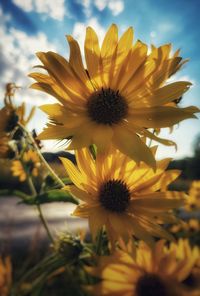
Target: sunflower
[[27, 166], [5, 276], [156, 272], [4, 147], [8, 119], [193, 202], [115, 192], [121, 94]]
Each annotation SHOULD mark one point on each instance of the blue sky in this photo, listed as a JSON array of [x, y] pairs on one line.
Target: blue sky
[[27, 26]]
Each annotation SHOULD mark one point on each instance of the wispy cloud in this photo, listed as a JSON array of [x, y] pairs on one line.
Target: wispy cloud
[[17, 57], [50, 8]]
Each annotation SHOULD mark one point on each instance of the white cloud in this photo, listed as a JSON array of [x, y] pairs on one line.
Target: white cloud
[[101, 4], [17, 57], [87, 7], [166, 27], [50, 8], [116, 7]]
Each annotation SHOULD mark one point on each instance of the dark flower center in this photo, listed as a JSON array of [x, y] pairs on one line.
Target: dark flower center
[[29, 166], [12, 122], [107, 107], [151, 285], [114, 196]]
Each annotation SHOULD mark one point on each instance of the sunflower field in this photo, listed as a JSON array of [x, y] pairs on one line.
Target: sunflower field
[[138, 232]]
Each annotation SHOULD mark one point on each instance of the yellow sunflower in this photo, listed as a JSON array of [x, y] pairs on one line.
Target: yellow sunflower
[[115, 192], [119, 96], [5, 276], [183, 250], [156, 272], [27, 166]]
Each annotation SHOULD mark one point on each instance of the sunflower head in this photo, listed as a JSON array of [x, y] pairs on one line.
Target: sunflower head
[[27, 166], [5, 276], [117, 98], [152, 272], [121, 196]]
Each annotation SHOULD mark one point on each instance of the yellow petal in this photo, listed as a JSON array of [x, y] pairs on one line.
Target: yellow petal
[[131, 145], [55, 132], [108, 54], [123, 49], [132, 63], [92, 55], [157, 117], [97, 219], [73, 173], [102, 137], [75, 60], [78, 193], [166, 94]]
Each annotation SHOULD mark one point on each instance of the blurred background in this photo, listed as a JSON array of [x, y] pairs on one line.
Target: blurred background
[[28, 26]]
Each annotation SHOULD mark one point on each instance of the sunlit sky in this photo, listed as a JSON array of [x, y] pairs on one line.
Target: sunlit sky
[[28, 26]]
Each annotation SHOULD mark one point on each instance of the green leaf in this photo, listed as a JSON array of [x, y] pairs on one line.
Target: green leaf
[[13, 193], [55, 195]]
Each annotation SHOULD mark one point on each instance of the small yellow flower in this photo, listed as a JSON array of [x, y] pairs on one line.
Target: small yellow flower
[[5, 276], [193, 225], [115, 192], [157, 272], [121, 94], [193, 201], [27, 166], [176, 228]]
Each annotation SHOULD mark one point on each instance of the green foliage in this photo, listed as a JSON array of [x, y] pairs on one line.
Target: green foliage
[[55, 195]]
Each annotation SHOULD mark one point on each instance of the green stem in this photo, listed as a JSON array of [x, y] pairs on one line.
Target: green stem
[[41, 216], [44, 222], [31, 186], [150, 142], [99, 238], [51, 171]]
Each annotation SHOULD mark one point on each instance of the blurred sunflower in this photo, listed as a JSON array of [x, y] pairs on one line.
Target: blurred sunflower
[[154, 272], [121, 94], [8, 119], [122, 196], [193, 202], [21, 112], [27, 166], [5, 276], [4, 147], [183, 250], [193, 225]]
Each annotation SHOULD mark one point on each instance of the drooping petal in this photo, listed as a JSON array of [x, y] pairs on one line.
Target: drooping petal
[[131, 145], [73, 173], [157, 117]]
